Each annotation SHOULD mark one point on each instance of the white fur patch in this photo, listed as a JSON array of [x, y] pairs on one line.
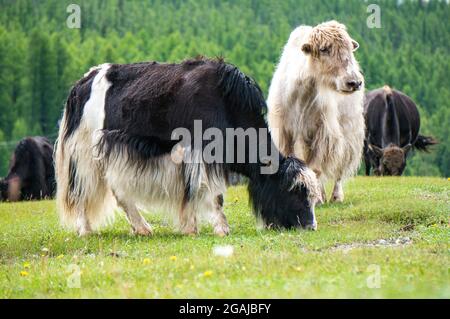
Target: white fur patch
[[94, 109], [308, 179], [160, 185]]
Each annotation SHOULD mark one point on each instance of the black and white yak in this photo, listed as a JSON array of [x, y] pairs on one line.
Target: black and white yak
[[393, 124], [116, 147], [31, 173]]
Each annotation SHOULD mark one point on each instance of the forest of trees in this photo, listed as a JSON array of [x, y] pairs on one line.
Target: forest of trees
[[41, 57]]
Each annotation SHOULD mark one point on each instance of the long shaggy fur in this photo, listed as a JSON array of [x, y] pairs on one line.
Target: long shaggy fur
[[242, 93], [82, 194], [120, 151], [315, 121]]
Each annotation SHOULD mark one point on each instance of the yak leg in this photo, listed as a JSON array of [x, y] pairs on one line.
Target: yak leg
[[220, 222], [322, 200], [136, 220], [323, 195], [83, 225], [188, 218], [367, 163], [338, 192], [14, 188]]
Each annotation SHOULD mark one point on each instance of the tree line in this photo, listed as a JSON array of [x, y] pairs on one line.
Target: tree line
[[41, 57]]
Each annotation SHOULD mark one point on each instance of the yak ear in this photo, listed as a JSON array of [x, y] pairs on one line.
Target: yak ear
[[406, 148], [355, 45], [377, 150], [306, 48]]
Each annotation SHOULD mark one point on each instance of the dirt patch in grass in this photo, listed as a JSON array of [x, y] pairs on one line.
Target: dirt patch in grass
[[391, 242]]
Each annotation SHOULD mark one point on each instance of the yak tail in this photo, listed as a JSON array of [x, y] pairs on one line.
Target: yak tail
[[424, 142], [83, 200]]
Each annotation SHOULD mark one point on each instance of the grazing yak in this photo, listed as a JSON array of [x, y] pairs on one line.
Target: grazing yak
[[31, 174], [316, 102], [393, 124], [116, 146]]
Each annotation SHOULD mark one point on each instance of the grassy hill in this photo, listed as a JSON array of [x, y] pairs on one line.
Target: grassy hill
[[397, 228]]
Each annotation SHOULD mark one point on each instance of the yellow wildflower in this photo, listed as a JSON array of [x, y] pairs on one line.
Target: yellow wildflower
[[173, 258], [208, 273], [146, 261], [26, 265], [24, 273]]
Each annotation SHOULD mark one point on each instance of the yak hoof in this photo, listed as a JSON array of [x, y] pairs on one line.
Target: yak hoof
[[321, 201], [190, 231], [83, 232], [337, 198], [222, 230], [145, 230]]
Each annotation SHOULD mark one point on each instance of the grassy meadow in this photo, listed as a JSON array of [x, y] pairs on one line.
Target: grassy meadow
[[390, 238]]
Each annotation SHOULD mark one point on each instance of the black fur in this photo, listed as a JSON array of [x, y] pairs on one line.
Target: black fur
[[3, 189], [72, 176], [240, 90], [78, 97], [391, 127], [276, 203], [32, 165], [423, 143], [139, 149]]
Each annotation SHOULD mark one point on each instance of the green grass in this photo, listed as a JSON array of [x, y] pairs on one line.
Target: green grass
[[266, 264]]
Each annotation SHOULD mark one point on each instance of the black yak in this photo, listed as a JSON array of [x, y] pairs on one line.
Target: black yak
[[31, 174], [392, 130], [118, 145]]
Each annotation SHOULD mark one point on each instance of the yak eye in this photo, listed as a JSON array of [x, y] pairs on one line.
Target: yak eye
[[324, 50]]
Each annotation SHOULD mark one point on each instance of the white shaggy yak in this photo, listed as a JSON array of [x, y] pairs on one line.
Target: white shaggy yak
[[316, 102]]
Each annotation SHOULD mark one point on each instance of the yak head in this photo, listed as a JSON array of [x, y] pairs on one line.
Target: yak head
[[286, 199], [330, 49], [391, 159]]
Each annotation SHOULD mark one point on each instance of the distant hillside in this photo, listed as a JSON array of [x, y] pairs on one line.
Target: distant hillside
[[40, 57]]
